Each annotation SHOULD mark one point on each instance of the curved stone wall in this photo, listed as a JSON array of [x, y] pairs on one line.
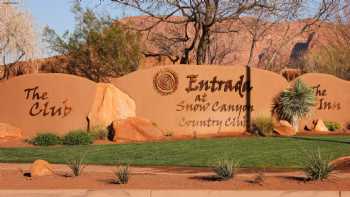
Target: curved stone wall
[[188, 99], [333, 98], [46, 102]]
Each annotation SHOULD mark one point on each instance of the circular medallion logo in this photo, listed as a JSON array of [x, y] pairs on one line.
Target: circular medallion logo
[[165, 82]]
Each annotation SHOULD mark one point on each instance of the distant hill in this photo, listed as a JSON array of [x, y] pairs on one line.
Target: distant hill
[[236, 45]]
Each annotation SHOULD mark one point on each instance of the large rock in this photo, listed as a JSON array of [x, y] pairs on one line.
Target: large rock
[[320, 126], [9, 131], [110, 104], [136, 129], [284, 128], [41, 168], [341, 163]]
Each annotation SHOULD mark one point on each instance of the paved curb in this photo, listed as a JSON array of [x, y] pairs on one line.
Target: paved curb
[[168, 193]]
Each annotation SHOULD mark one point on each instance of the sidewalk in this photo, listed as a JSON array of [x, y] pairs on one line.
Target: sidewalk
[[168, 193]]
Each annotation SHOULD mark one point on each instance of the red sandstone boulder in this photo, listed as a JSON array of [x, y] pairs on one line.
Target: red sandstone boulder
[[320, 126], [284, 128], [9, 131], [341, 163], [41, 168], [110, 104], [136, 129], [285, 123]]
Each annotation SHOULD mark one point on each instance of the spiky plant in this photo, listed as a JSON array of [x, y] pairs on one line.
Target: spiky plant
[[76, 164], [316, 167], [225, 169], [122, 175], [295, 103]]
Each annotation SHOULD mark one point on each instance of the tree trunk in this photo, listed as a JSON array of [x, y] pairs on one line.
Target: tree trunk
[[251, 53], [295, 124], [203, 46]]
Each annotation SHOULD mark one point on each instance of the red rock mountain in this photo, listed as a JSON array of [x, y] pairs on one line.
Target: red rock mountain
[[236, 46]]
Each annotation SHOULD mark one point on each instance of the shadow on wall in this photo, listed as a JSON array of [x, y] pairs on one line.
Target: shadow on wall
[[248, 100]]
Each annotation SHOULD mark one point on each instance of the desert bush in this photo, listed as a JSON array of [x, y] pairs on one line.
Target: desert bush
[[332, 126], [316, 167], [77, 137], [76, 165], [99, 47], [99, 133], [294, 103], [225, 169], [122, 175], [45, 139], [263, 125], [332, 58]]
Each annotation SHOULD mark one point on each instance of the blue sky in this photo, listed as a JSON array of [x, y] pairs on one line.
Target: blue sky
[[57, 13], [58, 16]]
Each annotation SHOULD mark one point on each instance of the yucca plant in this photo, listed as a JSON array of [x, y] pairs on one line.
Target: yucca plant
[[295, 103], [316, 167], [263, 125], [225, 169], [76, 164], [122, 175]]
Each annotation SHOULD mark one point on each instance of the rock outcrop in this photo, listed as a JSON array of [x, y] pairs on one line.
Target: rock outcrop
[[41, 168], [110, 104], [284, 128], [341, 163], [136, 129], [320, 126], [9, 131]]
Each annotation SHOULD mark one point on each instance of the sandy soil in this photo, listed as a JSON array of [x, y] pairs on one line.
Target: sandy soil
[[101, 177]]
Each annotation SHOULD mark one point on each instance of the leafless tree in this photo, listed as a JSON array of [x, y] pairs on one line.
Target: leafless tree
[[264, 20], [199, 20], [320, 12], [17, 38]]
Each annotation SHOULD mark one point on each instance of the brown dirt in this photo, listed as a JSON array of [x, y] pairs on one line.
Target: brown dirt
[[153, 179]]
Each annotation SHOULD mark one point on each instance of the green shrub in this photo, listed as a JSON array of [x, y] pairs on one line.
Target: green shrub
[[332, 126], [263, 125], [316, 167], [225, 169], [45, 139], [122, 175], [99, 133], [295, 103], [77, 137], [76, 164]]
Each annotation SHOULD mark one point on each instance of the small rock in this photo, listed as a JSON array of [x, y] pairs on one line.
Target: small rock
[[9, 131], [136, 129], [310, 125], [285, 123], [41, 168], [284, 131], [320, 126], [284, 128]]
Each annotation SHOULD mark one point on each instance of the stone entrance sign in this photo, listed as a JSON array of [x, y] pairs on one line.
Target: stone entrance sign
[[333, 97], [206, 100], [46, 102], [183, 100]]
